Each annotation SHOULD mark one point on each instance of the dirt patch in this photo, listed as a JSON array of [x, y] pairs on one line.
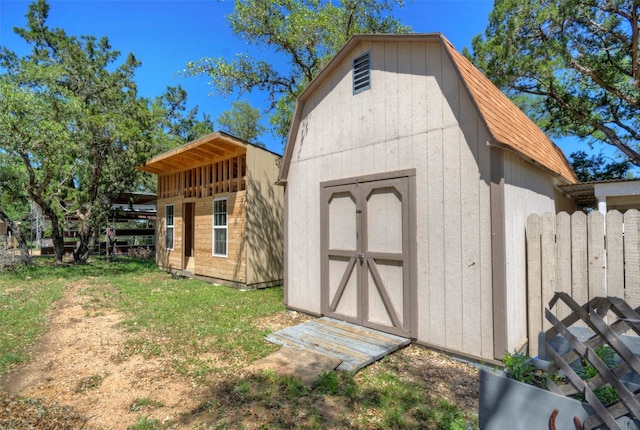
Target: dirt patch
[[78, 363], [80, 376]]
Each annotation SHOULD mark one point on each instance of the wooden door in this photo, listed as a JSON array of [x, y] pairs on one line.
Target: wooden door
[[188, 248], [366, 276]]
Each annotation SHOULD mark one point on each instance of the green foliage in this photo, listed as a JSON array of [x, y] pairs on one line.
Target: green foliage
[[242, 121], [597, 168], [572, 65], [144, 403], [145, 423], [73, 128], [519, 367], [336, 384], [307, 33]]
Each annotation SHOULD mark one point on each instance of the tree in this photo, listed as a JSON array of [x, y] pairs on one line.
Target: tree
[[13, 202], [242, 121], [179, 125], [572, 65], [597, 168], [305, 33], [72, 118]]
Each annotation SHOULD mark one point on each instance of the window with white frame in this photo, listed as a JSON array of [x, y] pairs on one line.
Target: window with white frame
[[220, 227], [168, 227]]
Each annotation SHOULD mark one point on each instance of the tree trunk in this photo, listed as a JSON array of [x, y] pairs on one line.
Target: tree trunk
[[82, 248], [57, 236]]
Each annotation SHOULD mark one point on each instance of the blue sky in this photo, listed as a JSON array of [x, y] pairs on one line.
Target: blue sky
[[166, 34]]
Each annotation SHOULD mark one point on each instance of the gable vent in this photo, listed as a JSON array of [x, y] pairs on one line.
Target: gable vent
[[361, 73]]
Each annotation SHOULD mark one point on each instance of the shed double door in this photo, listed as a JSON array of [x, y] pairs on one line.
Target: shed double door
[[366, 252]]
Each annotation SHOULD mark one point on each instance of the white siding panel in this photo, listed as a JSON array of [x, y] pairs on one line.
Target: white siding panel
[[453, 239], [390, 105], [418, 102], [450, 89], [376, 121], [421, 152], [436, 239], [406, 92], [484, 210], [435, 98], [471, 312]]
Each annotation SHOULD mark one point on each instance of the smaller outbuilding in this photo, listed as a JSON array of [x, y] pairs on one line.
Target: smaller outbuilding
[[219, 212]]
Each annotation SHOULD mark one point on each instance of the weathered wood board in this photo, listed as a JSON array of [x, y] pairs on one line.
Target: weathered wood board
[[356, 346]]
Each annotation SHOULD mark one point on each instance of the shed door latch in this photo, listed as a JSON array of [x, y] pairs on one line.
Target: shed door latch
[[361, 257]]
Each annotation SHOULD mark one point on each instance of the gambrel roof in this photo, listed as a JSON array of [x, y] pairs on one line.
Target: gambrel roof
[[509, 128]]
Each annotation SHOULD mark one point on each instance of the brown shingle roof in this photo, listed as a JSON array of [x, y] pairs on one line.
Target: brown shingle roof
[[508, 126]]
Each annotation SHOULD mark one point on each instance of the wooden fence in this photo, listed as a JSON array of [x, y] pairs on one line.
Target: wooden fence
[[584, 256]]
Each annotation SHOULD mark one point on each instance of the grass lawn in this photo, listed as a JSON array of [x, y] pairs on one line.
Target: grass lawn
[[190, 321]]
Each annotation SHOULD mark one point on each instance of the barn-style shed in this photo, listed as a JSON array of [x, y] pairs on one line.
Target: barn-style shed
[[408, 178], [219, 212]]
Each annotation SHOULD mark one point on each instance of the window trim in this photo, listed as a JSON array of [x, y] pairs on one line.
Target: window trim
[[168, 226], [220, 227]]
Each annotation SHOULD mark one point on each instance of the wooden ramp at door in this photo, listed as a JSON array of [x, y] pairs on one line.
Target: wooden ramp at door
[[355, 345]]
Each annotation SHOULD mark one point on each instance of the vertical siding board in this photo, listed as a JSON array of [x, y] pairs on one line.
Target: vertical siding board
[[453, 239], [470, 241], [486, 274], [596, 255], [534, 282], [435, 98], [390, 105], [614, 255], [549, 256], [418, 88], [421, 151], [405, 90], [450, 89], [563, 243], [377, 119], [632, 257], [579, 266], [436, 239]]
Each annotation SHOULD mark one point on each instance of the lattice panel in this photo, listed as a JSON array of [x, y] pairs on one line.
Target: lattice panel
[[595, 314]]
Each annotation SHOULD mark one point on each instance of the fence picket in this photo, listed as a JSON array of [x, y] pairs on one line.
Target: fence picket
[[614, 255], [596, 255], [563, 249], [579, 266], [632, 257], [535, 307], [549, 260], [572, 255]]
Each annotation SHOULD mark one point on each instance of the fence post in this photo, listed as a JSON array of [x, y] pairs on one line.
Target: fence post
[[596, 255]]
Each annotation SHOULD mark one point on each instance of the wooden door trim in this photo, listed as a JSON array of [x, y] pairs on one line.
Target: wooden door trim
[[327, 189]]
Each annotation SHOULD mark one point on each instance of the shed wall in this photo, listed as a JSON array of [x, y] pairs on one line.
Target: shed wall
[[417, 114], [233, 267], [528, 190], [264, 234]]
